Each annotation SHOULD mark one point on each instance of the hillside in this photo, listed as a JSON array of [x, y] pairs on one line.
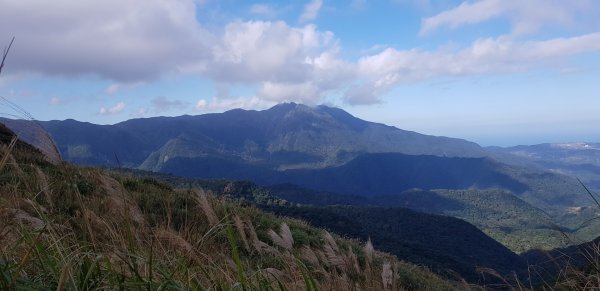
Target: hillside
[[65, 227]]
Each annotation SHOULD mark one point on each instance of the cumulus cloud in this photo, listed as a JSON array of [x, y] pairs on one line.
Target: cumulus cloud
[[311, 10], [290, 63], [257, 51], [118, 108], [525, 16], [119, 40]]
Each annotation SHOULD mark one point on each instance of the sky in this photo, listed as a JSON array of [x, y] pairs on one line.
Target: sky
[[496, 72]]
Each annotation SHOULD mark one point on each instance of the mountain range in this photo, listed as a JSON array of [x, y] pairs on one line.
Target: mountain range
[[326, 149], [285, 136]]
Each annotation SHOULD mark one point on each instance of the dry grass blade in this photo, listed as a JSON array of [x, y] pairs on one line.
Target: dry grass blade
[[174, 240], [309, 256], [9, 149], [330, 241], [369, 251], [5, 54], [239, 225], [204, 204], [589, 193], [284, 238], [352, 261], [387, 275], [496, 275], [333, 258]]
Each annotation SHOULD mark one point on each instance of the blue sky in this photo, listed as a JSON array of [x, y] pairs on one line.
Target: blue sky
[[497, 72]]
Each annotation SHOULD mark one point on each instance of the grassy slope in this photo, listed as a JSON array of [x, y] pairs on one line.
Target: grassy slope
[[82, 228]]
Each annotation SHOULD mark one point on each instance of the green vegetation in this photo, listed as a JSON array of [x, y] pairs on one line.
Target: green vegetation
[[506, 218]]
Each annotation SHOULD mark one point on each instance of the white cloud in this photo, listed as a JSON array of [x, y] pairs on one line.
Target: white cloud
[[118, 40], [118, 108], [257, 51], [392, 67], [290, 63], [118, 87], [525, 16], [306, 92], [311, 10], [201, 104], [327, 74], [363, 94], [55, 101], [112, 89]]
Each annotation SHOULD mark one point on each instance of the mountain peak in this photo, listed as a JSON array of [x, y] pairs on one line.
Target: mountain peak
[[289, 106]]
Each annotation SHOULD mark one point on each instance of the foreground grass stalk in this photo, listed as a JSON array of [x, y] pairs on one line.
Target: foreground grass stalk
[[236, 256]]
